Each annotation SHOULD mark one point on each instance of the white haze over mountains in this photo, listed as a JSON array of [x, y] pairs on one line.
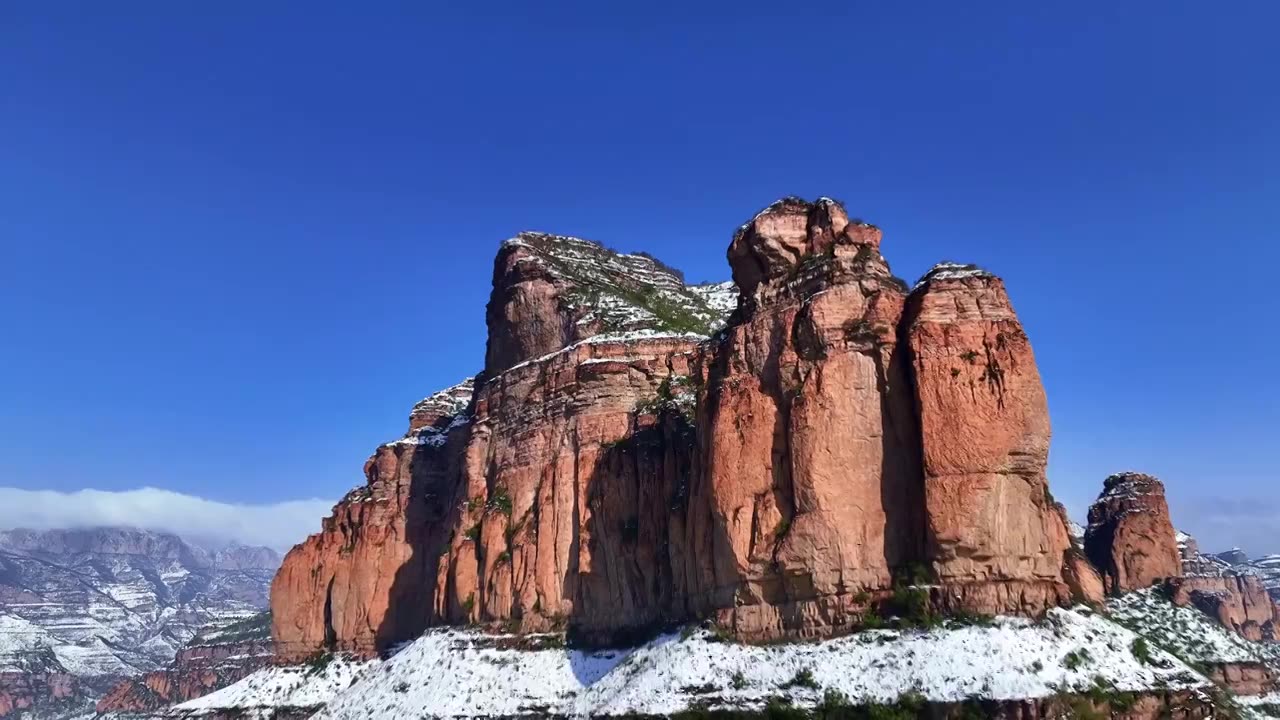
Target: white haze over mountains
[[276, 525]]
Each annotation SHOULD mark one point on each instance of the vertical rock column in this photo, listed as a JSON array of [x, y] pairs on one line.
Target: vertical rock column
[[995, 539], [809, 450], [1130, 538]]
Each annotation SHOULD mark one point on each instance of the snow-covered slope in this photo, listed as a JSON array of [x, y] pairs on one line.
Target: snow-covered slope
[[103, 604], [298, 689], [462, 673], [1186, 631]]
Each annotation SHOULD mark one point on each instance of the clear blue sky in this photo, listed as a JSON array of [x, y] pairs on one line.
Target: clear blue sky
[[238, 241]]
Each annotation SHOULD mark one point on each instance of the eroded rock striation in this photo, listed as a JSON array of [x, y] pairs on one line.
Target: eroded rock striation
[[638, 452], [1130, 538]]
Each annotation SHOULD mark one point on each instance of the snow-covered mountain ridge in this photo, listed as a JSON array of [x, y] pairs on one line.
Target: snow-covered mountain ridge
[[91, 607]]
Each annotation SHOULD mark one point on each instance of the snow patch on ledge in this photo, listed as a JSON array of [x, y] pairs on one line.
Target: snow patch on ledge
[[460, 673], [604, 339], [947, 270], [263, 693]]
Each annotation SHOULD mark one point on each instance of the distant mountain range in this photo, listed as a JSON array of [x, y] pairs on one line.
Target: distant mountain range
[[81, 610], [1232, 562]]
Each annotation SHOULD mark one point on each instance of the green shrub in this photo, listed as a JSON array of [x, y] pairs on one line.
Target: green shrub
[[1075, 659], [803, 678], [1142, 651], [499, 501]]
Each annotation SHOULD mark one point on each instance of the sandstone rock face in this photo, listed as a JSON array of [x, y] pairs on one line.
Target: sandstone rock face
[[810, 457], [360, 582], [1252, 678], [1130, 538], [547, 500], [550, 291], [1239, 602], [632, 458], [573, 507], [994, 537]]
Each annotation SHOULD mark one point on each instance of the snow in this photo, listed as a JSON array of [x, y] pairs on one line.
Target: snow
[[1186, 631], [463, 673], [261, 694], [1260, 706], [604, 339], [721, 297], [450, 401], [951, 271]]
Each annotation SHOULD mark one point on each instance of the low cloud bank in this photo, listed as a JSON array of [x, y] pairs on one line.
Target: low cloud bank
[[277, 525]]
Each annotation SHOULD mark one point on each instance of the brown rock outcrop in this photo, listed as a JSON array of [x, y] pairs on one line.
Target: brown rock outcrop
[[21, 691], [550, 291], [359, 583], [995, 539], [1243, 678], [1130, 538], [196, 671], [1239, 602], [616, 471], [810, 458]]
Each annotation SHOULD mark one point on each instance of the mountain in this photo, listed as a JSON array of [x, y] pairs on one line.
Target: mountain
[[816, 491], [82, 609], [209, 661]]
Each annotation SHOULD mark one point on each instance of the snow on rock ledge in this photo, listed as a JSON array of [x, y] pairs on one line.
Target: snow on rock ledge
[[271, 691], [454, 673]]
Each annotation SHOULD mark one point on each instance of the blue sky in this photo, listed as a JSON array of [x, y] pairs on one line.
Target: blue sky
[[238, 241]]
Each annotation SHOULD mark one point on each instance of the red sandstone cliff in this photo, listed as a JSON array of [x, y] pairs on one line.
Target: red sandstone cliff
[[366, 579], [616, 470], [1238, 602], [996, 539], [810, 457], [1130, 538]]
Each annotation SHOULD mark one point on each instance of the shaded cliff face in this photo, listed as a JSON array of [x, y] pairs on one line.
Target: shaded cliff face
[[615, 469], [572, 508], [1130, 538], [809, 451], [367, 578], [995, 538], [549, 500]]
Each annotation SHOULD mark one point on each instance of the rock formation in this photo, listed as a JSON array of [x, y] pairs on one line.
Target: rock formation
[[810, 459], [83, 609], [22, 691], [367, 578], [1238, 602], [995, 537], [631, 458], [209, 662], [1130, 538]]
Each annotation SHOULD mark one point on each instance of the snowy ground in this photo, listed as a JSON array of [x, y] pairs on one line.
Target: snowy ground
[[1187, 632], [296, 687], [463, 673], [1261, 706]]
